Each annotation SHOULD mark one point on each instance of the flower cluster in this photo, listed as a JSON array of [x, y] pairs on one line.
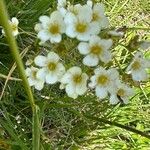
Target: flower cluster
[[83, 22]]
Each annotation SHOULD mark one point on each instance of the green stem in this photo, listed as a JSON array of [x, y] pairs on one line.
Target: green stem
[[15, 52]]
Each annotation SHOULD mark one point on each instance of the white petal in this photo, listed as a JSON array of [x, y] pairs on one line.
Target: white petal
[[106, 56], [31, 81], [28, 72], [40, 60], [70, 31], [101, 92], [113, 73], [81, 89], [83, 48], [106, 43], [60, 70], [51, 78], [91, 60], [140, 75], [15, 21], [43, 35], [56, 39], [84, 36], [70, 18], [94, 28], [39, 85], [75, 70], [66, 78], [94, 39], [70, 90], [114, 99], [44, 20], [93, 83], [38, 27], [56, 16], [41, 74], [53, 57]]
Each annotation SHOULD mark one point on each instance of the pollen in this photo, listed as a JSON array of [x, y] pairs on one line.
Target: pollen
[[77, 79], [51, 66], [102, 80], [96, 50], [54, 29], [136, 65], [81, 28]]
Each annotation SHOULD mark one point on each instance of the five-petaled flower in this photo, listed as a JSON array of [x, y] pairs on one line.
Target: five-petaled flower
[[52, 70], [96, 49], [103, 81], [138, 66], [75, 82], [33, 79]]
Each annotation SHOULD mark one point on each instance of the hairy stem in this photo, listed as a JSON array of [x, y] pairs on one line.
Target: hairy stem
[[15, 53]]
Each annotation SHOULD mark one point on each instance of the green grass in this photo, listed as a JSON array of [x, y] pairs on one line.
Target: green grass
[[64, 125]]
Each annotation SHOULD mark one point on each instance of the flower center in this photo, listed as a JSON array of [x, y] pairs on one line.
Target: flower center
[[95, 17], [136, 65], [34, 74], [121, 92], [96, 50], [81, 28], [13, 27], [51, 66], [54, 29], [77, 79], [102, 79]]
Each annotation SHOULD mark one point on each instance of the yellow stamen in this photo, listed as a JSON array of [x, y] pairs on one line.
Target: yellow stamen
[[121, 92], [51, 66], [136, 65], [96, 50], [77, 78], [54, 29], [81, 28], [102, 80]]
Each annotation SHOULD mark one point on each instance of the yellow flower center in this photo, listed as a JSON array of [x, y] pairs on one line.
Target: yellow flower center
[[102, 80], [95, 17], [81, 28], [96, 50], [54, 29], [77, 79], [13, 27], [51, 66], [136, 65], [121, 92], [34, 74]]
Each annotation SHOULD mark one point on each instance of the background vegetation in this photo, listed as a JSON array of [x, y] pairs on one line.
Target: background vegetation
[[64, 122]]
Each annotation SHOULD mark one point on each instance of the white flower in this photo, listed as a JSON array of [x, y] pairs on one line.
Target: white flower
[[75, 82], [61, 3], [79, 23], [14, 26], [96, 49], [99, 16], [138, 66], [52, 70], [51, 28], [103, 81], [33, 79], [122, 93]]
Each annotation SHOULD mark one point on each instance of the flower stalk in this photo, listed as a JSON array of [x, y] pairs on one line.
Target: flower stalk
[[15, 53]]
